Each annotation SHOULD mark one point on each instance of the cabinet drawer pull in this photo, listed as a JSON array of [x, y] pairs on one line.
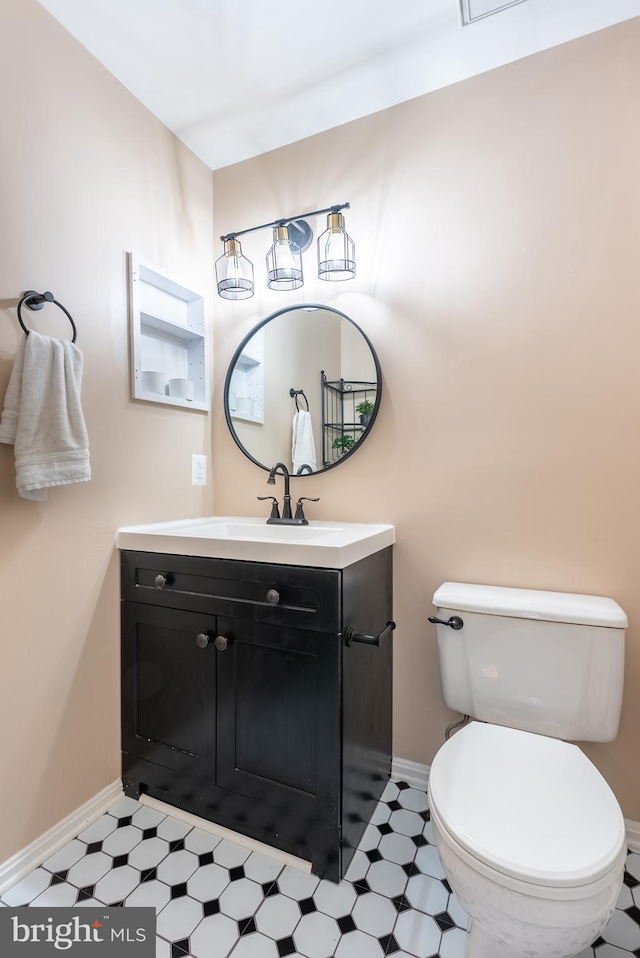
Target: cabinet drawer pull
[[202, 640], [221, 642], [272, 597], [160, 582]]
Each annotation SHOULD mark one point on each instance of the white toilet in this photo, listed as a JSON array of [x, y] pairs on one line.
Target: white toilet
[[531, 837]]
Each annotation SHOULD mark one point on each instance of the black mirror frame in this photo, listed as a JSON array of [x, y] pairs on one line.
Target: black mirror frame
[[239, 350]]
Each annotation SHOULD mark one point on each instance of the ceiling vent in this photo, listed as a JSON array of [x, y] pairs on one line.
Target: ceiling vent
[[473, 10]]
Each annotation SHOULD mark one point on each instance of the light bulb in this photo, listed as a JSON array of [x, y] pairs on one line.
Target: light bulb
[[336, 251], [284, 262], [234, 272]]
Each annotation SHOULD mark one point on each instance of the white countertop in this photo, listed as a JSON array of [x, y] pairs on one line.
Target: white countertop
[[327, 545]]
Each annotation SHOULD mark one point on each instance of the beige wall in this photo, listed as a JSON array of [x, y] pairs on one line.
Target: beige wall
[[86, 174], [497, 226], [498, 239]]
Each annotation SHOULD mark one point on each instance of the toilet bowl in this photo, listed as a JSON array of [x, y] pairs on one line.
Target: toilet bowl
[[531, 838]]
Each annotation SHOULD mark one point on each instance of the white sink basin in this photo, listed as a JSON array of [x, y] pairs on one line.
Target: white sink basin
[[251, 529], [327, 545]]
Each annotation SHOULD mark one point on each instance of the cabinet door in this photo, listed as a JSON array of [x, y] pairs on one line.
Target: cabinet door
[[278, 729], [169, 688]]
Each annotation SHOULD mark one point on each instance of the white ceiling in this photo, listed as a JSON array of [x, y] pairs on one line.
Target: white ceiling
[[236, 79]]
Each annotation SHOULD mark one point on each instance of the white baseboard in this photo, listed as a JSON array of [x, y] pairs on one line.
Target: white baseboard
[[42, 848], [633, 834], [268, 850], [411, 772]]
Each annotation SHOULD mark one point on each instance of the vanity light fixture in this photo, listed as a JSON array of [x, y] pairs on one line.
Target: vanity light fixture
[[291, 237]]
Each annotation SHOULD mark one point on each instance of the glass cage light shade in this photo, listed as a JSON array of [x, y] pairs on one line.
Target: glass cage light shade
[[234, 272], [336, 251], [284, 262]]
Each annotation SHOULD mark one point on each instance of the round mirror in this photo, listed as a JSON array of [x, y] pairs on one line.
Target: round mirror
[[302, 388]]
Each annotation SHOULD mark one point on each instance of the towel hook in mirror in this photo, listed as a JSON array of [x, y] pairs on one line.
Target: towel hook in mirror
[[294, 393]]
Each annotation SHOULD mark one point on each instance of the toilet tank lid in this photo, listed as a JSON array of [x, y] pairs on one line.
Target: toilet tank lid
[[531, 604]]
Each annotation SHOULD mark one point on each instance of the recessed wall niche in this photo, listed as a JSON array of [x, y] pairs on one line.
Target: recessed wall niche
[[169, 348]]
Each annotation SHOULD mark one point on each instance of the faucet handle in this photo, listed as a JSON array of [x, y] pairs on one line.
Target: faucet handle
[[299, 516], [275, 509]]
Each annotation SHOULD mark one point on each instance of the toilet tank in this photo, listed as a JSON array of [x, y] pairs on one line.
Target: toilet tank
[[546, 662]]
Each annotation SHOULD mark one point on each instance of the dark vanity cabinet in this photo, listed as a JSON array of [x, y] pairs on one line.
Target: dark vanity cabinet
[[246, 701]]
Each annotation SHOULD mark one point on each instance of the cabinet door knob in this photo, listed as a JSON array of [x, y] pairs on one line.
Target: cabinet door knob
[[272, 597], [160, 582], [202, 640], [221, 642]]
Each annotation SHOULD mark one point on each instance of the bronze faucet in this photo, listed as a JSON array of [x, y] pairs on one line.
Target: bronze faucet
[[279, 469]]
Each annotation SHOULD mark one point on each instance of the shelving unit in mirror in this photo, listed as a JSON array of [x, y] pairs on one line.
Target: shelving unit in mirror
[[170, 363], [342, 424]]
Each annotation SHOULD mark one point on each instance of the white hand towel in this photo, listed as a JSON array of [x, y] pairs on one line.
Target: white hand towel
[[11, 410], [42, 416], [303, 448]]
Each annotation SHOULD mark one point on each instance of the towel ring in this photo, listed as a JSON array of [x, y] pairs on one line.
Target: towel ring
[[294, 393], [33, 300]]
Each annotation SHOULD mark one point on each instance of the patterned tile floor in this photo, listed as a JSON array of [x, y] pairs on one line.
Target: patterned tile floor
[[216, 899]]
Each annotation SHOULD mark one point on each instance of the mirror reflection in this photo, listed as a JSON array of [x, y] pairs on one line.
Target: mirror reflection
[[303, 388]]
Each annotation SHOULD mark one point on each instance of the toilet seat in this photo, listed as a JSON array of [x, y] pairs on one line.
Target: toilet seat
[[527, 806]]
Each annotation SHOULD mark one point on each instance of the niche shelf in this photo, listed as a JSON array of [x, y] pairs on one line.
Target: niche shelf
[[246, 389], [168, 335]]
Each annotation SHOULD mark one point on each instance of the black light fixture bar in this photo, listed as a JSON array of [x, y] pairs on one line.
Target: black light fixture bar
[[284, 220]]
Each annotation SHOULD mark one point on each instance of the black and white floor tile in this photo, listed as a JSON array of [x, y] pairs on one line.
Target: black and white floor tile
[[215, 898]]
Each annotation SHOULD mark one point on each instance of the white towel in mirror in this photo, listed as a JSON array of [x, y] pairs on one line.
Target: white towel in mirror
[[303, 448]]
